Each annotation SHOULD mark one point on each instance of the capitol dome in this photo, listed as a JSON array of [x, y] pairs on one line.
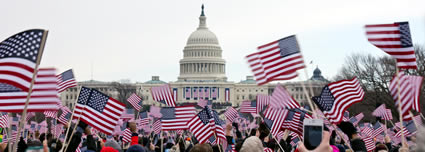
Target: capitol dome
[[202, 59]]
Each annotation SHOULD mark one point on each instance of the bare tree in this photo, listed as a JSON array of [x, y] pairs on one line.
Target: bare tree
[[124, 91], [375, 74]]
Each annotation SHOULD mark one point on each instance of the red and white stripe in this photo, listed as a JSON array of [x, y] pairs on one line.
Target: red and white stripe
[[278, 117], [126, 136], [199, 130], [44, 95], [156, 126], [280, 98], [4, 121], [262, 102], [268, 65], [231, 114], [163, 93], [346, 93], [107, 120], [380, 111], [135, 100], [388, 115], [387, 37], [182, 115], [51, 114], [65, 84], [408, 87], [247, 108], [369, 143]]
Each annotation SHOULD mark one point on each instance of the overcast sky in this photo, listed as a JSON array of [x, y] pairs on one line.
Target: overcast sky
[[135, 39]]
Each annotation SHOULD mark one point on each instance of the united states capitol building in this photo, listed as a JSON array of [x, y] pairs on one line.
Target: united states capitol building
[[202, 76]]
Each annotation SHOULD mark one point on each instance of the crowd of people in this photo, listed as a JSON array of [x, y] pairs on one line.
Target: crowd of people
[[256, 140]]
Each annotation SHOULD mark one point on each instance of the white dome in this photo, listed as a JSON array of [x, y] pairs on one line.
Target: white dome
[[202, 36]]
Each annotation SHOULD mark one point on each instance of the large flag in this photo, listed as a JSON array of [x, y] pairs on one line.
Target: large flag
[[44, 94], [248, 107], [262, 102], [102, 112], [175, 118], [18, 57], [406, 89], [66, 80], [394, 39], [164, 95], [231, 113], [336, 97], [278, 60], [135, 101], [280, 98], [202, 124]]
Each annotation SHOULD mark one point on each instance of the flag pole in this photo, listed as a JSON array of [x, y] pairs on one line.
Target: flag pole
[[403, 139], [422, 116], [386, 130], [34, 75], [307, 95], [9, 133], [162, 141], [70, 121]]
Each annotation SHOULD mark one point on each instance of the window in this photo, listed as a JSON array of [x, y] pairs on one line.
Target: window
[[243, 97], [237, 97], [66, 97], [261, 90]]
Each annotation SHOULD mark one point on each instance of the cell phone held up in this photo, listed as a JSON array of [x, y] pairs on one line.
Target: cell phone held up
[[312, 130]]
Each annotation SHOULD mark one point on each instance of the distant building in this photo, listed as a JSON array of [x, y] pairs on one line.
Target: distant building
[[203, 75]]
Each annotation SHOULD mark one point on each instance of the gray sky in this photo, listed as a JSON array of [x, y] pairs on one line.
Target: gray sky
[[135, 39]]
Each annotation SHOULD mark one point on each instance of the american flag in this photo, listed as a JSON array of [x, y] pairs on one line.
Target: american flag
[[346, 116], [66, 114], [367, 131], [200, 93], [51, 114], [218, 129], [102, 112], [380, 111], [280, 98], [248, 107], [207, 93], [262, 102], [274, 119], [163, 94], [4, 120], [266, 149], [202, 125], [66, 80], [135, 101], [174, 118], [156, 126], [409, 92], [187, 93], [214, 93], [294, 121], [231, 114], [29, 116], [144, 118], [356, 119], [18, 57], [409, 129], [336, 97], [202, 103], [81, 102], [394, 39], [388, 115], [377, 129], [278, 60], [295, 141], [43, 97], [126, 136], [155, 111], [369, 143]]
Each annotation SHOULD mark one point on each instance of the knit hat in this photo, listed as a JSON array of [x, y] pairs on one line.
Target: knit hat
[[112, 143], [108, 149], [135, 148], [252, 144]]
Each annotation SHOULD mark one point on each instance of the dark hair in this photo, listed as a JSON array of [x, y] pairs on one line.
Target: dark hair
[[253, 132], [264, 131], [201, 148]]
